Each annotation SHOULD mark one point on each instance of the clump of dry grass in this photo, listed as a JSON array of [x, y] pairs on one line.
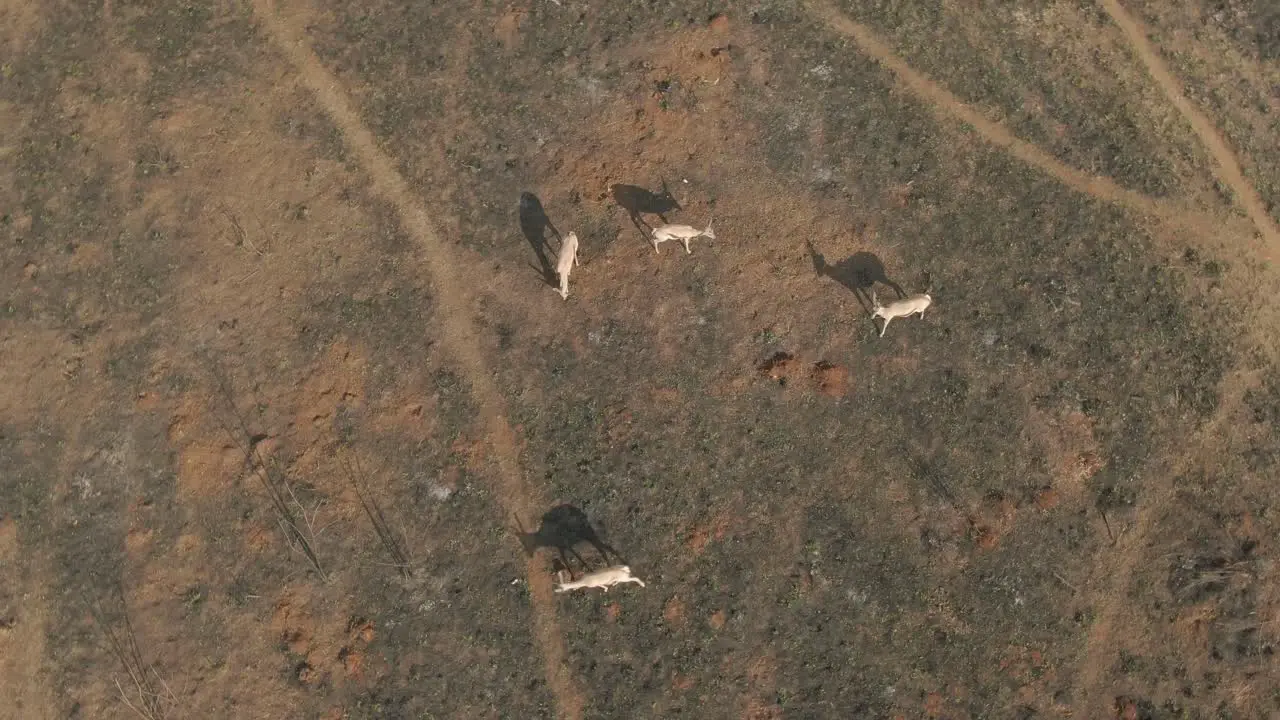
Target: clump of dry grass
[[141, 693], [351, 465]]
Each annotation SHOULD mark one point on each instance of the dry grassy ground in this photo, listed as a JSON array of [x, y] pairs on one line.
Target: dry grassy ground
[[282, 372]]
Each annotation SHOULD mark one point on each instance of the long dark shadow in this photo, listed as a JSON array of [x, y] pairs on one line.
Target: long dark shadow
[[638, 201], [533, 225], [859, 272], [563, 528]]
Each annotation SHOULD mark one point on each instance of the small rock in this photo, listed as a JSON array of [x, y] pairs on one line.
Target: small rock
[[778, 367]]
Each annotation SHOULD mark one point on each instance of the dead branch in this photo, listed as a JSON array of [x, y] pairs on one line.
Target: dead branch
[[272, 477], [376, 518]]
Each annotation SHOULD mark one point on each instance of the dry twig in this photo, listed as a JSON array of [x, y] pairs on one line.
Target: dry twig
[[148, 703], [274, 481], [379, 521]]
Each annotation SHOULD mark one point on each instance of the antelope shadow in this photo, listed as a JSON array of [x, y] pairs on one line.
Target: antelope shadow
[[638, 201], [563, 528], [859, 272], [533, 225]]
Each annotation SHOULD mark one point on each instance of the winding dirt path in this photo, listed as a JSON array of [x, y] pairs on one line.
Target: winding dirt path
[[1229, 171], [1117, 568], [947, 106], [1111, 581], [456, 325]]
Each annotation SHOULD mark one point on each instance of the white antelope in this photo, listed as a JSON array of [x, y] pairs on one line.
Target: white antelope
[[899, 308], [683, 233], [601, 579], [565, 261]]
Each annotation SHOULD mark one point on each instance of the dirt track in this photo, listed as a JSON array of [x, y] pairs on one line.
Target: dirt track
[[245, 243]]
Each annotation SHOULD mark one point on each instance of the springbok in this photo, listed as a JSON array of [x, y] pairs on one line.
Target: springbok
[[683, 233], [605, 579], [565, 261], [899, 308]]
